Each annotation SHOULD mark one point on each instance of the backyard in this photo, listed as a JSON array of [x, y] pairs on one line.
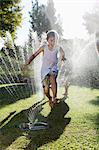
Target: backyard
[[73, 122]]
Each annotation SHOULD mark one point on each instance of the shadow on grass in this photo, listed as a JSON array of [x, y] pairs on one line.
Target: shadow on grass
[[57, 123], [56, 120], [18, 92], [95, 120], [9, 130], [7, 118], [95, 117], [96, 101]]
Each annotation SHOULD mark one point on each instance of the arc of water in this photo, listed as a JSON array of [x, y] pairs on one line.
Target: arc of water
[[9, 38], [23, 56], [68, 61], [23, 60], [35, 44], [12, 69], [82, 51], [96, 41], [9, 80], [9, 74], [7, 88], [8, 70], [12, 65], [32, 86], [18, 67], [30, 79]]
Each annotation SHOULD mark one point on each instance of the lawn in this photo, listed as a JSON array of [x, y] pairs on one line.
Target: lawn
[[73, 123]]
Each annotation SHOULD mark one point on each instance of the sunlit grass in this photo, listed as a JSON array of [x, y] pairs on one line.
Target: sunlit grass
[[74, 123]]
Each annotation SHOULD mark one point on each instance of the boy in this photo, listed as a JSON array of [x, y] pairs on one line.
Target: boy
[[49, 70]]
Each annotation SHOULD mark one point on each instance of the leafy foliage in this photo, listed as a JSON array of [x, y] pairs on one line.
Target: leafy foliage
[[55, 21], [10, 16], [39, 19], [91, 20]]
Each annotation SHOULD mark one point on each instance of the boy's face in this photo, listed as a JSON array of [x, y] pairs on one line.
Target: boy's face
[[51, 41]]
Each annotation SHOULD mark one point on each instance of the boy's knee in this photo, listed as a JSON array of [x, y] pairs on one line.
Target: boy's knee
[[53, 82], [52, 79], [46, 90]]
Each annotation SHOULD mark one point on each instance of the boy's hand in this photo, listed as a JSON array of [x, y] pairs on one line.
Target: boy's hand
[[23, 67], [63, 59]]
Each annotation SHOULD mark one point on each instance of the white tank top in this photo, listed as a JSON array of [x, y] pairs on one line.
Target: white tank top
[[50, 60]]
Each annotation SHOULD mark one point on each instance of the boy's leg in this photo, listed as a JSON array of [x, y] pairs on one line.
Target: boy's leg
[[66, 86], [53, 86], [46, 90], [66, 90], [47, 93], [46, 86]]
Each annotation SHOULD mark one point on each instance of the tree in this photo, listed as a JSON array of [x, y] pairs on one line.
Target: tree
[[54, 21], [91, 20], [10, 16], [39, 20], [30, 39]]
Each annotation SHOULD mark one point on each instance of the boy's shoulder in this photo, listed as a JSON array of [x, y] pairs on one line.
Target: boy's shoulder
[[58, 47]]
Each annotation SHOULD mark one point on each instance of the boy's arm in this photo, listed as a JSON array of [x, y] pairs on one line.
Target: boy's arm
[[41, 49], [62, 54]]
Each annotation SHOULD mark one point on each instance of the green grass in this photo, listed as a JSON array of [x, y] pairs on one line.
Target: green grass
[[74, 122]]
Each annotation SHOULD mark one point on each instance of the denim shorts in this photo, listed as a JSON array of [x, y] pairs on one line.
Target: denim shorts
[[46, 81]]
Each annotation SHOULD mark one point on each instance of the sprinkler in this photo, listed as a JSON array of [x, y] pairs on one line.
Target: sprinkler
[[33, 124]]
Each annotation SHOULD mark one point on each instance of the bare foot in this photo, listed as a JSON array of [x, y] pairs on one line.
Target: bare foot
[[65, 94], [51, 103], [54, 100]]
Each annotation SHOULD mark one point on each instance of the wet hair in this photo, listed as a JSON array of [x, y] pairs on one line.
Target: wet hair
[[50, 34]]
